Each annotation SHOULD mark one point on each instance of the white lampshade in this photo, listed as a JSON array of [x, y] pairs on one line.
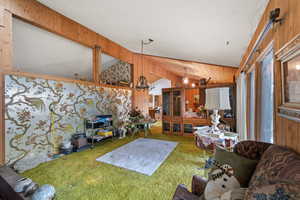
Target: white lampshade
[[217, 99]]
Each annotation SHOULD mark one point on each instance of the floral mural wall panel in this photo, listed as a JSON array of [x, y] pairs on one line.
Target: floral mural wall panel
[[40, 114], [120, 71]]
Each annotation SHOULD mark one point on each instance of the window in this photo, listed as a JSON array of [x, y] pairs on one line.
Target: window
[[267, 99]]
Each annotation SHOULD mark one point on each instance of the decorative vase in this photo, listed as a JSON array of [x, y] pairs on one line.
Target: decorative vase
[[66, 145], [30, 189], [45, 192], [22, 184]]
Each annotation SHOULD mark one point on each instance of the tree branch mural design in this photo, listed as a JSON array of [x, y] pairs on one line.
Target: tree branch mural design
[[37, 108]]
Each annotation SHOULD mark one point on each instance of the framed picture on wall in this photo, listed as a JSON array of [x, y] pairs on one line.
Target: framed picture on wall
[[291, 82], [289, 56]]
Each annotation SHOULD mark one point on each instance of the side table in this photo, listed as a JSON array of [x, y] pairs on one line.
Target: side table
[[207, 141]]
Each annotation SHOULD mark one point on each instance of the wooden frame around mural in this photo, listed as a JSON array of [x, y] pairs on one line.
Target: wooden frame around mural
[[289, 52]]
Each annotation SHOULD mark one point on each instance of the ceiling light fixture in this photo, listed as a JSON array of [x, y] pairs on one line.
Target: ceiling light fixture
[[142, 83], [297, 67]]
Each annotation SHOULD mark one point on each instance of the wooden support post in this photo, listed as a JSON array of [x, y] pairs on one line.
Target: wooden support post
[[96, 64], [5, 39], [5, 64], [1, 16], [2, 122]]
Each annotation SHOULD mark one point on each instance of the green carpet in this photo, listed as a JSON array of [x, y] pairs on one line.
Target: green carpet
[[79, 176]]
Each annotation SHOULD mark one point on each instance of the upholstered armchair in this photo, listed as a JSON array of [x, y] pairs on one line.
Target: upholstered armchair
[[249, 149]]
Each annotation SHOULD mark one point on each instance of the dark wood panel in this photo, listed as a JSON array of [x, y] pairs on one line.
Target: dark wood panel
[[286, 131]]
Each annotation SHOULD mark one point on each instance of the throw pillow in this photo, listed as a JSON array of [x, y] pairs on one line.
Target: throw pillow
[[243, 168]]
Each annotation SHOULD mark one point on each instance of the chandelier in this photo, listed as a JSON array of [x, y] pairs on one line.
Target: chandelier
[[142, 83]]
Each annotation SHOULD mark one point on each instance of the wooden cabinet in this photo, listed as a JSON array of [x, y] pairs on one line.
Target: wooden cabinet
[[177, 102], [166, 125], [177, 127], [174, 122], [167, 93], [173, 106]]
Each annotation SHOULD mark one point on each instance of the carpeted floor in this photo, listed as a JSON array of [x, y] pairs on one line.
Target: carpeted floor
[[79, 176]]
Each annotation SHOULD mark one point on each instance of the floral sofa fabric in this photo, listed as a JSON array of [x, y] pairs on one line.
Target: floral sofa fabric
[[251, 150], [277, 175]]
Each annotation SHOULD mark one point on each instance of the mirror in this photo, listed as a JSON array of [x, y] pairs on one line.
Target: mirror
[[194, 103]]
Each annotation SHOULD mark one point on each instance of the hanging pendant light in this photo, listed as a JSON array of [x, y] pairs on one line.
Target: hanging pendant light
[[142, 83], [185, 78]]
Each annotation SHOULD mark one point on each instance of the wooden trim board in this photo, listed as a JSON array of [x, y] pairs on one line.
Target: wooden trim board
[[2, 122], [55, 78]]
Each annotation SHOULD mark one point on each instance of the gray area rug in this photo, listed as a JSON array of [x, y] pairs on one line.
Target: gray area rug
[[142, 155]]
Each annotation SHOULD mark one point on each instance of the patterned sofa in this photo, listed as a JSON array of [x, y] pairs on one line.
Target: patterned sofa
[[277, 175]]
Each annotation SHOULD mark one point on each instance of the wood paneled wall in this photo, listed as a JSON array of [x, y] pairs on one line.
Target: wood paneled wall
[[153, 72], [41, 16], [287, 132], [197, 70], [38, 14], [173, 70]]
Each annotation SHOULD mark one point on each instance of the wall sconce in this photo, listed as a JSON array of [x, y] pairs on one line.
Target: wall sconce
[[193, 85]]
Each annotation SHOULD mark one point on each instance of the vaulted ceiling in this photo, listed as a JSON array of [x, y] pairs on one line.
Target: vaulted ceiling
[[210, 31]]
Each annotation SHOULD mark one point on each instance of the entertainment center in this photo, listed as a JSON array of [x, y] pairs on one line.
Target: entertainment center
[[183, 109]]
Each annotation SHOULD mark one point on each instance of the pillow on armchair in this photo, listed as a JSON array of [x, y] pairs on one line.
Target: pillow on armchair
[[229, 172], [221, 183], [243, 167]]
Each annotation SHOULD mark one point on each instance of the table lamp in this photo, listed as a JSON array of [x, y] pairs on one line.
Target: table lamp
[[216, 99]]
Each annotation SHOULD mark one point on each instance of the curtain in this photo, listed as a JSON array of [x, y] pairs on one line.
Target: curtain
[[241, 107]]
